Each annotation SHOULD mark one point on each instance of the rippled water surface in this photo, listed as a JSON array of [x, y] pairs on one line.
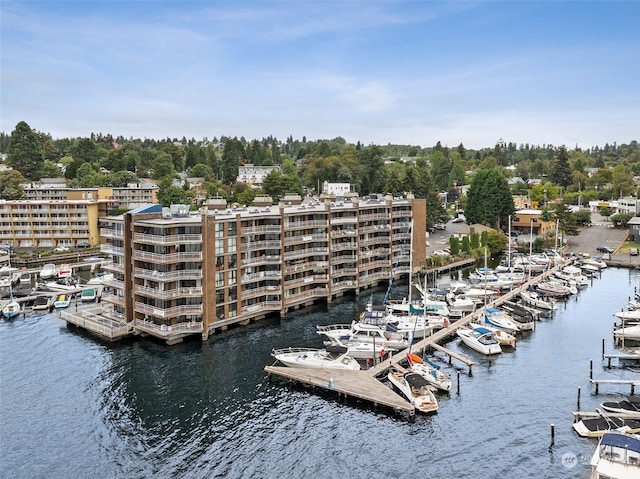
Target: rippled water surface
[[72, 406]]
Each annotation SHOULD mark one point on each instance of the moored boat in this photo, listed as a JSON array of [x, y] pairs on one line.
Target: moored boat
[[430, 371], [597, 426], [616, 457], [415, 388], [42, 302], [48, 271], [480, 339], [331, 357], [89, 295], [11, 309], [630, 405], [62, 301]]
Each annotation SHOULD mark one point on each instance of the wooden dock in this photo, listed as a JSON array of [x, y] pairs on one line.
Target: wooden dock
[[631, 382], [358, 384], [364, 384]]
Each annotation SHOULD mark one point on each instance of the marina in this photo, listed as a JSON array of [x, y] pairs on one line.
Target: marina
[[207, 410]]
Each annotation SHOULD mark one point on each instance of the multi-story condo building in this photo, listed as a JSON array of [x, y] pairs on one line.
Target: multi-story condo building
[[254, 175], [50, 223], [130, 196], [177, 274]]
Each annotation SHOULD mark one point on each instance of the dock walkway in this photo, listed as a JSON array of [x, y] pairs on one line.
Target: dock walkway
[[364, 385]]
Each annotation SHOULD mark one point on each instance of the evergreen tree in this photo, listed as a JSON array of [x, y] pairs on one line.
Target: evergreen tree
[[560, 169], [25, 152], [231, 158]]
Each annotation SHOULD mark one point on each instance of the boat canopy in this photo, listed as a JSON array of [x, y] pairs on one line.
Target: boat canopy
[[493, 310], [625, 441], [336, 349], [415, 380], [482, 330]]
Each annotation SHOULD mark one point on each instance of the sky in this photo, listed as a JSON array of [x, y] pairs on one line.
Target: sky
[[375, 72]]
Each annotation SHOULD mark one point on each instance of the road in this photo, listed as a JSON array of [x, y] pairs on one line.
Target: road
[[601, 233]]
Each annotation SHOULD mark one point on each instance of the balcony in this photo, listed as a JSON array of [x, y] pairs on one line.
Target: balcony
[[110, 249], [260, 245], [262, 291], [303, 253], [261, 276], [264, 259], [113, 299], [167, 276], [165, 313], [160, 258], [168, 294], [261, 229], [167, 240]]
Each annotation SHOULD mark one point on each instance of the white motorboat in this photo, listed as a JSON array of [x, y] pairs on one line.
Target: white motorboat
[[520, 315], [415, 388], [25, 277], [556, 288], [363, 349], [66, 284], [62, 301], [11, 309], [597, 426], [573, 275], [89, 295], [430, 371], [42, 302], [480, 339], [9, 276], [628, 332], [364, 332], [48, 271], [629, 406], [331, 357], [630, 314], [101, 279], [616, 457], [538, 300], [65, 271], [595, 261], [499, 319], [505, 339], [409, 325]]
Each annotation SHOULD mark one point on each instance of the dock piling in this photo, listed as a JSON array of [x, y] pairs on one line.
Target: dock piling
[[578, 405], [458, 384], [553, 435]]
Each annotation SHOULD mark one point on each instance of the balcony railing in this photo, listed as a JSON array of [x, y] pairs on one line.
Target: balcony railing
[[168, 294], [167, 258], [168, 240], [164, 313], [167, 276]]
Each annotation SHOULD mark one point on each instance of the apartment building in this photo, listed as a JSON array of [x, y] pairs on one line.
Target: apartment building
[[176, 273], [130, 196], [50, 223]]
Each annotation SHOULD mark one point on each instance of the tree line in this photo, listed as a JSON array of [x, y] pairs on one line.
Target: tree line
[[576, 175]]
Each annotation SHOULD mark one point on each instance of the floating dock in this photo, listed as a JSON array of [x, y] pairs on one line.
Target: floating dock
[[365, 385]]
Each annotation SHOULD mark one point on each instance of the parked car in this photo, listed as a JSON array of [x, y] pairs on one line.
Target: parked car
[[440, 226], [604, 249], [83, 244], [633, 251], [60, 249]]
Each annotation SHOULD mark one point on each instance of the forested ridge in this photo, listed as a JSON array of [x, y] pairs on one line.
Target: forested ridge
[[576, 175]]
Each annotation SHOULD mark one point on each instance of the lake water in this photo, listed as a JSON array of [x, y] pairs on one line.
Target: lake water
[[72, 406]]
